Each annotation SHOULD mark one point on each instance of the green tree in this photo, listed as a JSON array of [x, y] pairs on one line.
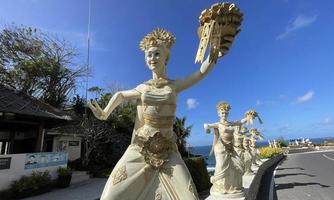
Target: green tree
[[182, 132], [38, 64], [104, 141], [281, 142]]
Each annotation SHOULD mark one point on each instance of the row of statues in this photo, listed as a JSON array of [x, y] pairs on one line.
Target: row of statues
[[234, 147], [152, 167], [273, 144]]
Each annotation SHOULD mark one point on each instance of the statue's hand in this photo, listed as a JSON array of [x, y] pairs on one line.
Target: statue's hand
[[207, 128], [96, 109]]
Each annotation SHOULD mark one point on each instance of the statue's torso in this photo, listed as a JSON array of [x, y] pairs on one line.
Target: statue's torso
[[156, 112], [226, 133]]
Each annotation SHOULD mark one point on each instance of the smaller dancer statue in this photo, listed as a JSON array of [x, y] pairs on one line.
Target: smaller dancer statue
[[227, 179], [247, 156], [254, 136]]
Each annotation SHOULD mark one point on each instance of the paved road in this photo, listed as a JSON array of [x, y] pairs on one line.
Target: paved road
[[306, 176], [88, 190]]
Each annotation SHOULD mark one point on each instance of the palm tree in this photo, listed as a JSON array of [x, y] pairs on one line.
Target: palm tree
[[182, 133]]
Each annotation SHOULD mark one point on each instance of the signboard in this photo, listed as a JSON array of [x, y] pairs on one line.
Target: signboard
[[47, 159], [5, 163], [73, 143]]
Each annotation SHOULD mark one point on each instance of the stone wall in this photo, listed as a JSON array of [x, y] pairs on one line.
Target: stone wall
[[256, 186]]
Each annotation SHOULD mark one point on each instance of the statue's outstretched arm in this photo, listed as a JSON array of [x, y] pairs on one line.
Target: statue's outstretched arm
[[207, 127], [184, 83], [239, 122], [116, 99]]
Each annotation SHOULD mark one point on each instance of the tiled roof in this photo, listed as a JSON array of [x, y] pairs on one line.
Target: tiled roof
[[13, 101]]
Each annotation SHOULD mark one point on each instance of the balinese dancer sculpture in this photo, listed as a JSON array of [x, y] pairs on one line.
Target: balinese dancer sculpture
[[247, 156], [151, 167], [238, 140], [227, 179], [254, 136]]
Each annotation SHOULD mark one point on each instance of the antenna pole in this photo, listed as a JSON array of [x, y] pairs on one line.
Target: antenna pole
[[88, 50]]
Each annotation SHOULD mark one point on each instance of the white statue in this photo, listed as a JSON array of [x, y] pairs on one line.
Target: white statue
[[247, 156], [241, 145], [227, 179], [238, 139], [151, 167], [275, 144], [254, 136]]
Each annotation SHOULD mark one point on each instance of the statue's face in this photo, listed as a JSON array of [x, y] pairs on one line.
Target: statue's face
[[223, 114], [156, 58]]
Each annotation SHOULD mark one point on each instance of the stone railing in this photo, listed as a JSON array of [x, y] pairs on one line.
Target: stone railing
[[263, 175]]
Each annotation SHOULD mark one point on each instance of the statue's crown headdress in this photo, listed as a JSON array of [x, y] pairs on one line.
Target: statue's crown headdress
[[253, 131], [223, 106], [252, 114], [157, 37]]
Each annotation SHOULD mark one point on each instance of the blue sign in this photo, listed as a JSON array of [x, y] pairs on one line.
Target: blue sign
[[45, 159]]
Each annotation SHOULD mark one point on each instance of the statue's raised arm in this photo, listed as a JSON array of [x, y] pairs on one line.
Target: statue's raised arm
[[218, 27], [116, 99]]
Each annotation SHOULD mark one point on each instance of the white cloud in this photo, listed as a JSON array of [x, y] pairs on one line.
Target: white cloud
[[192, 103], [327, 121], [299, 22], [265, 102], [306, 97]]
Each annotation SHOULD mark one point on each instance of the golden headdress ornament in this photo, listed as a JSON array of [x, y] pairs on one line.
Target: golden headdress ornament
[[223, 106], [250, 115], [255, 132], [157, 37]]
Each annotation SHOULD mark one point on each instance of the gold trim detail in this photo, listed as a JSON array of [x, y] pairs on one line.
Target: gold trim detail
[[119, 175], [156, 150]]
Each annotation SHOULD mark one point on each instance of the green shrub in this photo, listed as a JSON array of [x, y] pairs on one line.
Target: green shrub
[[76, 165], [64, 177], [64, 171], [269, 152], [36, 183], [100, 173], [199, 173]]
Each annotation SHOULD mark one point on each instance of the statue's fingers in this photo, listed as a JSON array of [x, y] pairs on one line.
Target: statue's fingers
[[96, 104], [90, 105]]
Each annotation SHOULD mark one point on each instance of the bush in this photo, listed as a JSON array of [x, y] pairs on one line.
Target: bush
[[36, 183], [64, 177], [75, 164], [64, 171], [269, 152], [100, 173], [199, 173], [281, 142]]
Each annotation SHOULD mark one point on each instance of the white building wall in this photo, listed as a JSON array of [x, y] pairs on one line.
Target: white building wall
[[66, 144], [16, 170]]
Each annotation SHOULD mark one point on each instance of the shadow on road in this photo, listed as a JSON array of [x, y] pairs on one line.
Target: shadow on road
[[294, 174], [295, 184]]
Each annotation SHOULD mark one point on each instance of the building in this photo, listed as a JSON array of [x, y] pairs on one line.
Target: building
[[26, 145]]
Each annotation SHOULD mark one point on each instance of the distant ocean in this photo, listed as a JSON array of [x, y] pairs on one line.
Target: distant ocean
[[205, 150]]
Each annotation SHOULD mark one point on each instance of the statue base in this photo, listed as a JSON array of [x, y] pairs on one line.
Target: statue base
[[235, 196]]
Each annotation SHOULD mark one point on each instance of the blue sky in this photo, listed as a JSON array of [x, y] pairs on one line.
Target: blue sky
[[281, 64]]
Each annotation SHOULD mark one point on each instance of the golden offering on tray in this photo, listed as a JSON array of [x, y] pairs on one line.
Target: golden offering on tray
[[218, 27]]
